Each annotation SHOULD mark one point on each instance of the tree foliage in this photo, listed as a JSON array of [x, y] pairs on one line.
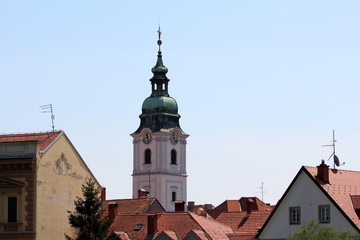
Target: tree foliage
[[88, 219], [314, 231]]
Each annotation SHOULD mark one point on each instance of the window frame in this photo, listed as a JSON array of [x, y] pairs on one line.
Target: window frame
[[293, 219], [147, 156], [12, 214], [173, 157], [173, 196], [327, 213]]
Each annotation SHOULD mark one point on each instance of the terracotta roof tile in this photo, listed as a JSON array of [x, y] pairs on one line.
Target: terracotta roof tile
[[170, 234], [136, 205], [343, 184], [215, 229], [44, 139], [126, 223], [180, 223]]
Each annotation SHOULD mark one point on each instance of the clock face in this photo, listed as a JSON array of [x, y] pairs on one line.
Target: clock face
[[174, 138], [147, 138]]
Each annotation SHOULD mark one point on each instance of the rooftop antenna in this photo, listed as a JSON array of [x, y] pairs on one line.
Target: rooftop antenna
[[336, 159], [262, 191], [49, 109]]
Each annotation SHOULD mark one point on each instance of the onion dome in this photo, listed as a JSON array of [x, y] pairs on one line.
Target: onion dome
[[159, 110]]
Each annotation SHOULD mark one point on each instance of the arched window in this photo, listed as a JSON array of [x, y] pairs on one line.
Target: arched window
[[147, 159], [173, 156], [173, 193]]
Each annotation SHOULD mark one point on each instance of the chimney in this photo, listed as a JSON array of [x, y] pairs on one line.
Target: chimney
[[179, 206], [208, 207], [249, 206], [142, 193], [191, 205], [323, 172], [103, 193], [113, 209], [152, 224]]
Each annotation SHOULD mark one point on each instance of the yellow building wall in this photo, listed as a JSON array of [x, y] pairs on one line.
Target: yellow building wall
[[60, 174]]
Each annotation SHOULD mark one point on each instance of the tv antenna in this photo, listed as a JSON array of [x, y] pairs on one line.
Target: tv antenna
[[49, 109], [335, 158], [262, 191]]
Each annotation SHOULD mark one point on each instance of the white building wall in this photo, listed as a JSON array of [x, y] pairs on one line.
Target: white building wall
[[309, 197], [164, 176]]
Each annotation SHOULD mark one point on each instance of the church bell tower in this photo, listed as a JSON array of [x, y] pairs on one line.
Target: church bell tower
[[160, 143]]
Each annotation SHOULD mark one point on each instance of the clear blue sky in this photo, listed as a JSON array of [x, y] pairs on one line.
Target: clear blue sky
[[260, 84]]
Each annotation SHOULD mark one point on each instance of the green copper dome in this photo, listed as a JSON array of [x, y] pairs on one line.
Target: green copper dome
[[159, 110], [160, 104]]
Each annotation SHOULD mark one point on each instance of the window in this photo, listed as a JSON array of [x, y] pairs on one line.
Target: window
[[173, 196], [138, 227], [12, 209], [324, 214], [147, 156], [173, 156], [295, 216]]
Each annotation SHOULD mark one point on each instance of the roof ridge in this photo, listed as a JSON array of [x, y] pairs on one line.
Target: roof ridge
[[118, 199], [30, 133], [337, 169]]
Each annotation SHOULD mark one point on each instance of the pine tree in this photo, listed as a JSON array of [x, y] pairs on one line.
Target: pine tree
[[88, 219]]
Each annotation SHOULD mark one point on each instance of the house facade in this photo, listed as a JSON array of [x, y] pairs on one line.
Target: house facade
[[40, 176], [320, 193]]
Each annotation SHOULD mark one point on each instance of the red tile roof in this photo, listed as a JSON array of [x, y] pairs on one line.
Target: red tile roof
[[136, 205], [180, 223], [342, 185], [44, 139], [234, 214], [215, 229], [169, 234]]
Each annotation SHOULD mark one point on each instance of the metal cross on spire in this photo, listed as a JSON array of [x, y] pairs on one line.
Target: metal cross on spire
[[159, 42]]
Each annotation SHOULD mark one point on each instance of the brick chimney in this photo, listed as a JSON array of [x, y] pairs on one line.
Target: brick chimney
[[152, 224], [142, 193], [249, 206], [191, 205], [323, 172], [113, 210], [103, 193], [179, 206]]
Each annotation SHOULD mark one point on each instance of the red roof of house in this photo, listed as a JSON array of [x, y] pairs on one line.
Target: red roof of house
[[343, 184], [177, 223], [136, 205], [44, 139], [234, 214]]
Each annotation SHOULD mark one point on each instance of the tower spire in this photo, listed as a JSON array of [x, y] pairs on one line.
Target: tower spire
[[159, 42], [159, 81]]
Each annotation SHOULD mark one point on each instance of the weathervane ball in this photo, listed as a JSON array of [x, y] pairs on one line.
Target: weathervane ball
[[159, 42]]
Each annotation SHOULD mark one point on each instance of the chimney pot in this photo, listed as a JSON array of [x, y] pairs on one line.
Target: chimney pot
[[142, 193], [152, 224], [113, 209], [103, 193], [179, 206], [323, 172], [249, 206], [191, 205]]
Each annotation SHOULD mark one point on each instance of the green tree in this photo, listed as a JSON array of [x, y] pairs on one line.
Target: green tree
[[88, 219], [313, 231]]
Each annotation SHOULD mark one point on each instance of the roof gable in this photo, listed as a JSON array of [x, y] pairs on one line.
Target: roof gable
[[136, 205], [313, 184], [44, 139], [10, 183]]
